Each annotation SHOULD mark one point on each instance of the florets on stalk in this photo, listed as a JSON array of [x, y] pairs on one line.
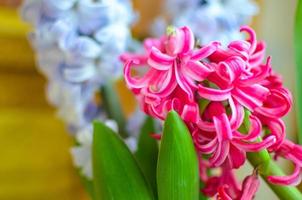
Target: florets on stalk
[[229, 97]]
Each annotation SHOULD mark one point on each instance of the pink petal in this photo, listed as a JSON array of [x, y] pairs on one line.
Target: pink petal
[[130, 56], [135, 82], [254, 131], [188, 39], [224, 133], [237, 114], [183, 82], [205, 51], [257, 57], [190, 113], [278, 104], [181, 42], [222, 194], [251, 97], [157, 111], [240, 47], [196, 70], [159, 60], [206, 126], [277, 128], [255, 147], [250, 186], [220, 154], [223, 128], [165, 85], [252, 38], [209, 147], [214, 94], [294, 179], [256, 78], [230, 69], [153, 42], [237, 157]]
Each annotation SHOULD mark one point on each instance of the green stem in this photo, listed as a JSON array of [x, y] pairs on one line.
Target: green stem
[[113, 107], [268, 167], [298, 56]]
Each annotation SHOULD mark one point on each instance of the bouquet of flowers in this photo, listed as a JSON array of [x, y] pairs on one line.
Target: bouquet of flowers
[[207, 103]]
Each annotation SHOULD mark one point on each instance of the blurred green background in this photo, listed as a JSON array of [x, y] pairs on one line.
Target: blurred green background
[[35, 163]]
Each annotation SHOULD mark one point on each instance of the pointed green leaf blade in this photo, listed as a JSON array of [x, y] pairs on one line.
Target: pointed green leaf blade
[[115, 171], [147, 153], [177, 171], [298, 56]]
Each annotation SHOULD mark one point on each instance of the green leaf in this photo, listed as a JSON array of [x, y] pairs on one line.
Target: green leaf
[[116, 173], [177, 169], [113, 107], [147, 153], [298, 56]]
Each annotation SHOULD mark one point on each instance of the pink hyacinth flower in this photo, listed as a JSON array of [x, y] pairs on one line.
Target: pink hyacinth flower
[[250, 186], [229, 143], [230, 99], [172, 63], [292, 152]]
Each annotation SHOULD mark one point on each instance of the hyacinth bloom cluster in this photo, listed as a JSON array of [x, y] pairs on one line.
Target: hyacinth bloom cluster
[[208, 19], [229, 97], [78, 43]]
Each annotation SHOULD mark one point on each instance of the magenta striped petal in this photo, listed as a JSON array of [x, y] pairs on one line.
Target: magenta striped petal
[[150, 98], [223, 128], [181, 42], [257, 146], [263, 72], [214, 94], [279, 104], [254, 131], [191, 82], [183, 82], [294, 179], [135, 82], [172, 104], [250, 186], [206, 126], [205, 51], [241, 47], [230, 69], [157, 112], [251, 97], [130, 56], [196, 70], [237, 157], [220, 154], [188, 40], [153, 42], [252, 39], [237, 114], [209, 147], [277, 128], [159, 60], [257, 57], [164, 85], [190, 113], [222, 194]]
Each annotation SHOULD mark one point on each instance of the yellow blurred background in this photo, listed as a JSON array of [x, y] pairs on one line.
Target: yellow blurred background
[[35, 163]]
